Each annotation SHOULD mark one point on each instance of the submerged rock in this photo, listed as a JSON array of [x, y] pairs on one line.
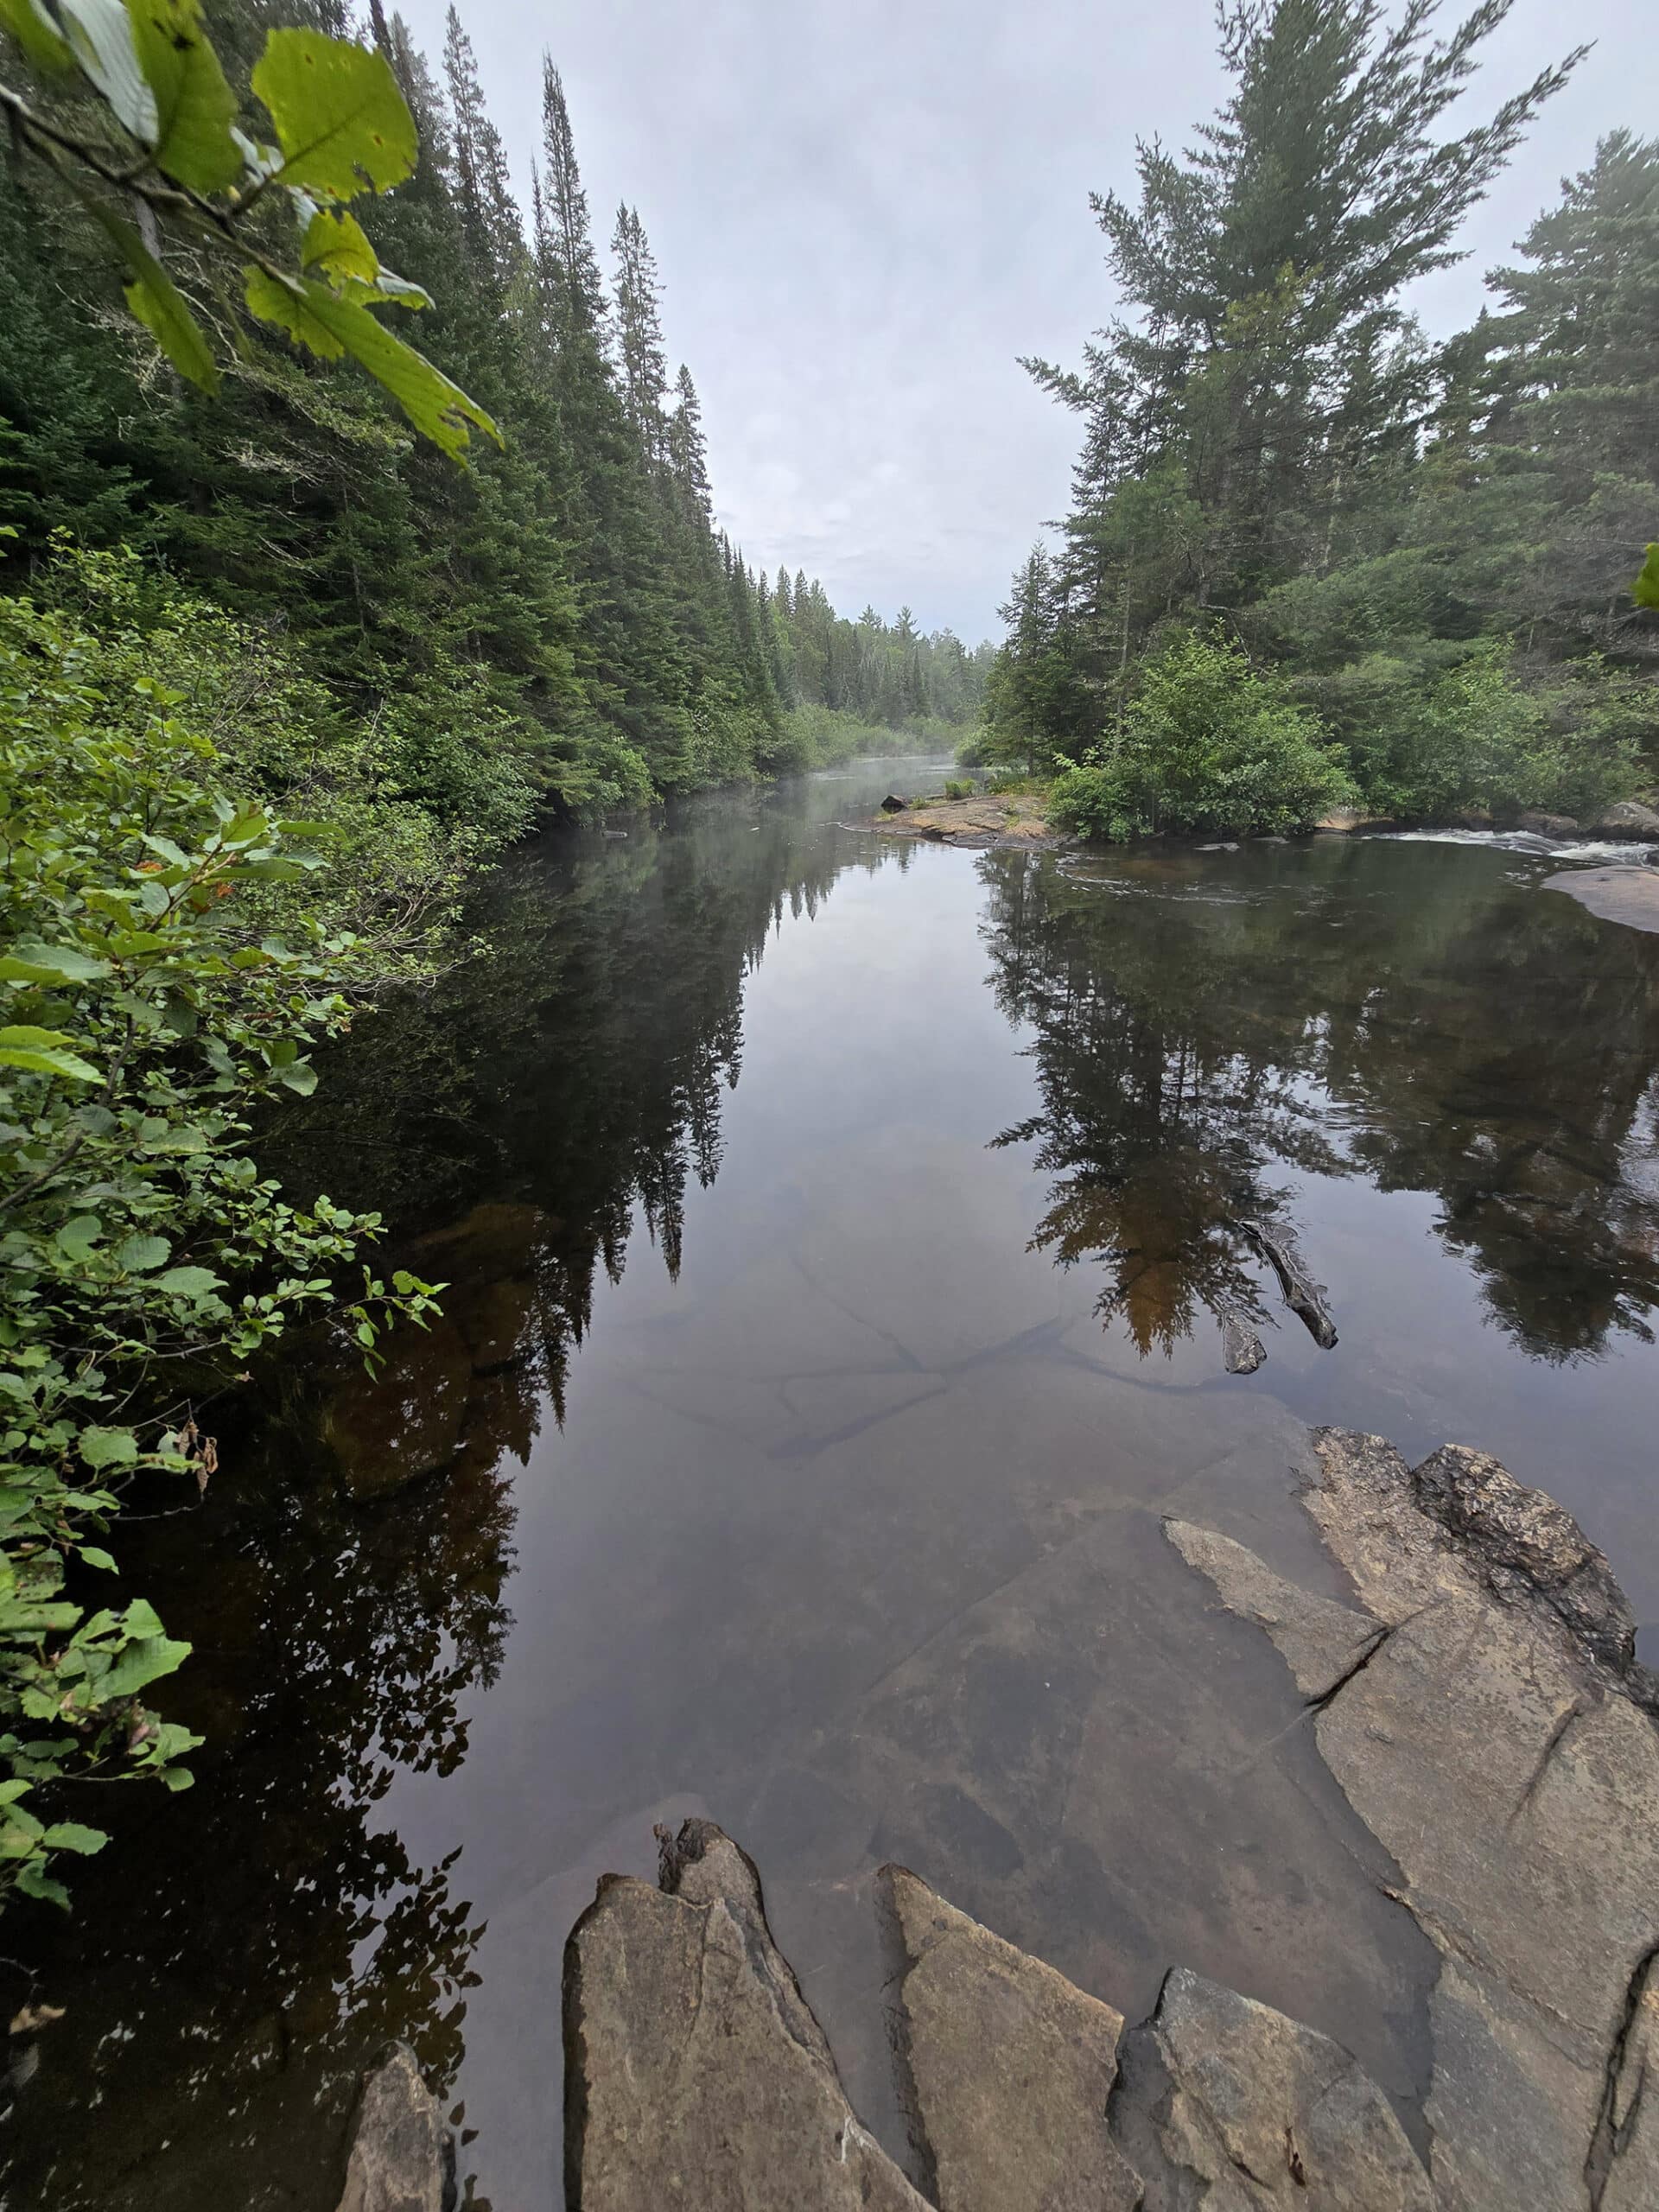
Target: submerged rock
[[1004, 2068], [1476, 1706], [695, 2073], [1226, 2104], [402, 2156]]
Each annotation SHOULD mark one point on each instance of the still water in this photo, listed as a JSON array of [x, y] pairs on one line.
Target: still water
[[836, 1230]]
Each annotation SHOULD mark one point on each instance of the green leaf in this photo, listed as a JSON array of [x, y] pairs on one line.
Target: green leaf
[[341, 119], [101, 33], [190, 1282], [138, 1255], [335, 243], [299, 1076], [42, 1051], [71, 1835], [108, 1447], [31, 962], [38, 35], [156, 302], [332, 327], [142, 1663], [195, 105], [95, 1555], [1645, 590], [35, 1882]]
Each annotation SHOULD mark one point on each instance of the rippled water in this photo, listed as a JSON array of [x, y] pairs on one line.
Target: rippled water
[[836, 1230]]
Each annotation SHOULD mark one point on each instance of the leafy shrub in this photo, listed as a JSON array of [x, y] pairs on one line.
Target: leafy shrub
[[147, 1005], [1208, 743], [1469, 737], [958, 787]]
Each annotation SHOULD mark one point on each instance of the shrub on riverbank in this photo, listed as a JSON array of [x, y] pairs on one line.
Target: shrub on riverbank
[[168, 958], [1208, 742]]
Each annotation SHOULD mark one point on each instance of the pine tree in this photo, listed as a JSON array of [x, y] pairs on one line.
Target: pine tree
[[639, 333]]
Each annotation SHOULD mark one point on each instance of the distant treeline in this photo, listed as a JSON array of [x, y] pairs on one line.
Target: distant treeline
[[568, 600]]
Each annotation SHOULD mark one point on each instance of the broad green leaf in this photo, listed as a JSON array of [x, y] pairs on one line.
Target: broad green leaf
[[95, 1555], [31, 962], [38, 35], [138, 1254], [101, 33], [156, 302], [141, 1618], [108, 1447], [386, 291], [1645, 590], [35, 1882], [332, 327], [195, 105], [190, 1282], [69, 1067], [44, 1052], [335, 242], [142, 1663], [71, 1835], [299, 1077], [341, 121]]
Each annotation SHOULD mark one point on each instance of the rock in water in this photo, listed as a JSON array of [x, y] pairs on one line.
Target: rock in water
[[695, 2073], [1473, 1708], [1226, 2104], [1004, 2068], [893, 804], [1629, 818], [402, 2157]]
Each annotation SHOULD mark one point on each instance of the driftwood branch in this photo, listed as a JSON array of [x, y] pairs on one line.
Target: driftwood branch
[[1305, 1297]]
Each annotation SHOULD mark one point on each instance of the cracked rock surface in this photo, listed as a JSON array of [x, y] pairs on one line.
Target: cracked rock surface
[[695, 2074], [1005, 2069], [1226, 2106], [401, 2157], [1479, 1707]]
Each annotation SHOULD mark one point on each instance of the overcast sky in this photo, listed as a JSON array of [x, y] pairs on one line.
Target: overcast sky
[[864, 211]]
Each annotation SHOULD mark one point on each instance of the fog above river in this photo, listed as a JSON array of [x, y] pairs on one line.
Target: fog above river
[[864, 214]]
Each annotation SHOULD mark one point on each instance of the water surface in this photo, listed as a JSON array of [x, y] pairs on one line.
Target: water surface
[[836, 1230]]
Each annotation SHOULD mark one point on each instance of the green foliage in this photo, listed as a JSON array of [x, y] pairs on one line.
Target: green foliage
[[164, 979], [342, 126], [1433, 546], [1208, 743]]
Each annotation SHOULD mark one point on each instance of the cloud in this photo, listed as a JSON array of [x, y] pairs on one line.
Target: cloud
[[865, 213]]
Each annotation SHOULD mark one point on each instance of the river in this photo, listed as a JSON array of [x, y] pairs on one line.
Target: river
[[837, 1229]]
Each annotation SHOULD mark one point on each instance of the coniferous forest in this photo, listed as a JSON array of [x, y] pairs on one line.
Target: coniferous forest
[[1314, 556]]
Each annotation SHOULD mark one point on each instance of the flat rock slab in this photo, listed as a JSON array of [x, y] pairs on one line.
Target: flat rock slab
[[1479, 1711], [695, 2073], [1225, 2104], [1013, 819], [1630, 895], [1005, 2067]]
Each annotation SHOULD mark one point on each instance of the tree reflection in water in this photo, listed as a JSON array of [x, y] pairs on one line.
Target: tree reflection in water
[[1340, 1009]]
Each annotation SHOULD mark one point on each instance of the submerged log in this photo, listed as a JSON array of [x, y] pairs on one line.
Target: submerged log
[[1242, 1350], [1305, 1297]]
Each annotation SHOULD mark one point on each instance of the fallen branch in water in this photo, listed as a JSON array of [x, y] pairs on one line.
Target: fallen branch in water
[[1305, 1297]]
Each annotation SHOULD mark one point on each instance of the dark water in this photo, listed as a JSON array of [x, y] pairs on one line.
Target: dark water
[[836, 1230]]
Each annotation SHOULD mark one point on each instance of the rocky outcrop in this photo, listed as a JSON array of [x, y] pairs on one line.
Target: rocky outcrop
[[993, 818], [1479, 1707], [1546, 825], [695, 2073], [1617, 893], [402, 2157], [1004, 2069], [1225, 2103], [1342, 821], [1629, 818]]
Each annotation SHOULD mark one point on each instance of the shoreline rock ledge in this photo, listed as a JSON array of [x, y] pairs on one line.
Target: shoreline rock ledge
[[1480, 1705]]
